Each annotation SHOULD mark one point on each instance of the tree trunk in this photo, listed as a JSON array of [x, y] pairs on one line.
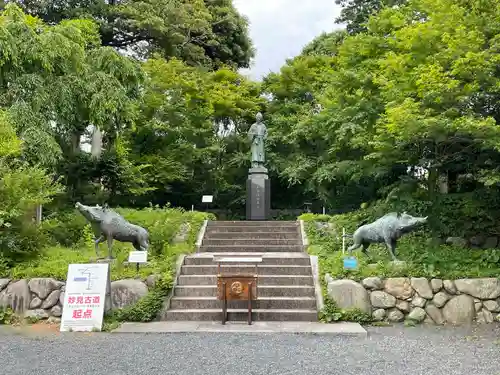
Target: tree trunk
[[38, 214], [443, 184], [96, 143], [75, 142], [432, 180]]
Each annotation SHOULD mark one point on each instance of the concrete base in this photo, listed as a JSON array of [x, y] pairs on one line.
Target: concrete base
[[258, 202], [336, 329]]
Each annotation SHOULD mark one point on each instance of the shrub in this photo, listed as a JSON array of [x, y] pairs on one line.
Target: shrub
[[71, 229], [162, 224], [147, 308], [66, 228], [332, 313], [20, 242], [6, 315], [422, 259]]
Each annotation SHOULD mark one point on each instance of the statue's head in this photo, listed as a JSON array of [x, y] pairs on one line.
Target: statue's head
[[259, 117], [408, 222], [92, 214]]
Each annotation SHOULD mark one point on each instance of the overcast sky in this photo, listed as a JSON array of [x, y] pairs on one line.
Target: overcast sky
[[280, 28]]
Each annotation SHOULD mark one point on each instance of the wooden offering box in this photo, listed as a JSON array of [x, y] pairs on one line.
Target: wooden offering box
[[237, 286]]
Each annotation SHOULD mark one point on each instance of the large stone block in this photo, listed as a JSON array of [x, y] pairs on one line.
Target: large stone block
[[459, 310], [449, 286], [51, 300], [380, 299], [436, 285], [434, 313], [421, 285], [399, 287], [417, 314], [127, 292], [492, 306], [373, 283], [349, 294], [17, 296], [395, 315], [480, 288], [4, 283], [440, 299], [42, 287]]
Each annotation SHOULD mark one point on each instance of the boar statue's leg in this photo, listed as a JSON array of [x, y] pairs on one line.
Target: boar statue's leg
[[96, 242], [110, 245], [391, 246], [365, 248], [144, 245], [353, 247]]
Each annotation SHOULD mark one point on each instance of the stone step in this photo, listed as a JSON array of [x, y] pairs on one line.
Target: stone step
[[292, 259], [251, 242], [250, 229], [251, 248], [263, 290], [246, 268], [242, 223], [263, 280], [304, 315], [217, 235], [261, 303]]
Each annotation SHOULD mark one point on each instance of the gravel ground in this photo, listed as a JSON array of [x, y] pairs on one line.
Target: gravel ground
[[387, 350]]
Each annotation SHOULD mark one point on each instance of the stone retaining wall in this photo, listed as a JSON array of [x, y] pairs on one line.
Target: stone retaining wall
[[43, 297], [433, 301]]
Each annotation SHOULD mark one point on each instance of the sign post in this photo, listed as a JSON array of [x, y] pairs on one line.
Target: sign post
[[350, 261], [87, 296], [207, 199], [138, 257]]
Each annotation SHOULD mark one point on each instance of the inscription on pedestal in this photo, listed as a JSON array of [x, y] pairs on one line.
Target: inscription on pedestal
[[258, 194]]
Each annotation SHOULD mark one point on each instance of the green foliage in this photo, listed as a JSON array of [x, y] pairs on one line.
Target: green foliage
[[162, 225], [22, 241], [406, 107], [22, 188], [210, 33], [147, 308], [332, 313], [6, 315], [65, 229], [325, 44], [422, 258], [185, 134], [356, 13]]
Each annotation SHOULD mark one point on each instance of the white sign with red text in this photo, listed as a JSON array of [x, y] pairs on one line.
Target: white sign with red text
[[87, 290]]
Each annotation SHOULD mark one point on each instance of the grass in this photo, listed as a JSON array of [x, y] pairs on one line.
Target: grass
[[72, 242], [54, 261]]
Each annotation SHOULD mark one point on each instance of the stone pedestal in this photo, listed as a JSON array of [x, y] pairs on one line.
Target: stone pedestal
[[258, 194]]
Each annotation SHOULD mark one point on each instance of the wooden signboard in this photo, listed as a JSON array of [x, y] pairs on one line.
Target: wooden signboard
[[237, 287]]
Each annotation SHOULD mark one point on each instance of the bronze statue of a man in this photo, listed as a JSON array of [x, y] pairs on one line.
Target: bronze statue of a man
[[257, 134]]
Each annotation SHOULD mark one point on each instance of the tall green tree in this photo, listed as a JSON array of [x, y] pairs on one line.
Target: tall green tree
[[414, 94], [356, 13], [57, 81], [210, 33], [22, 188], [437, 81], [192, 133], [325, 44]]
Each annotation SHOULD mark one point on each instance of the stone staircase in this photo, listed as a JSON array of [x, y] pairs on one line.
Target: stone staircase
[[286, 288]]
